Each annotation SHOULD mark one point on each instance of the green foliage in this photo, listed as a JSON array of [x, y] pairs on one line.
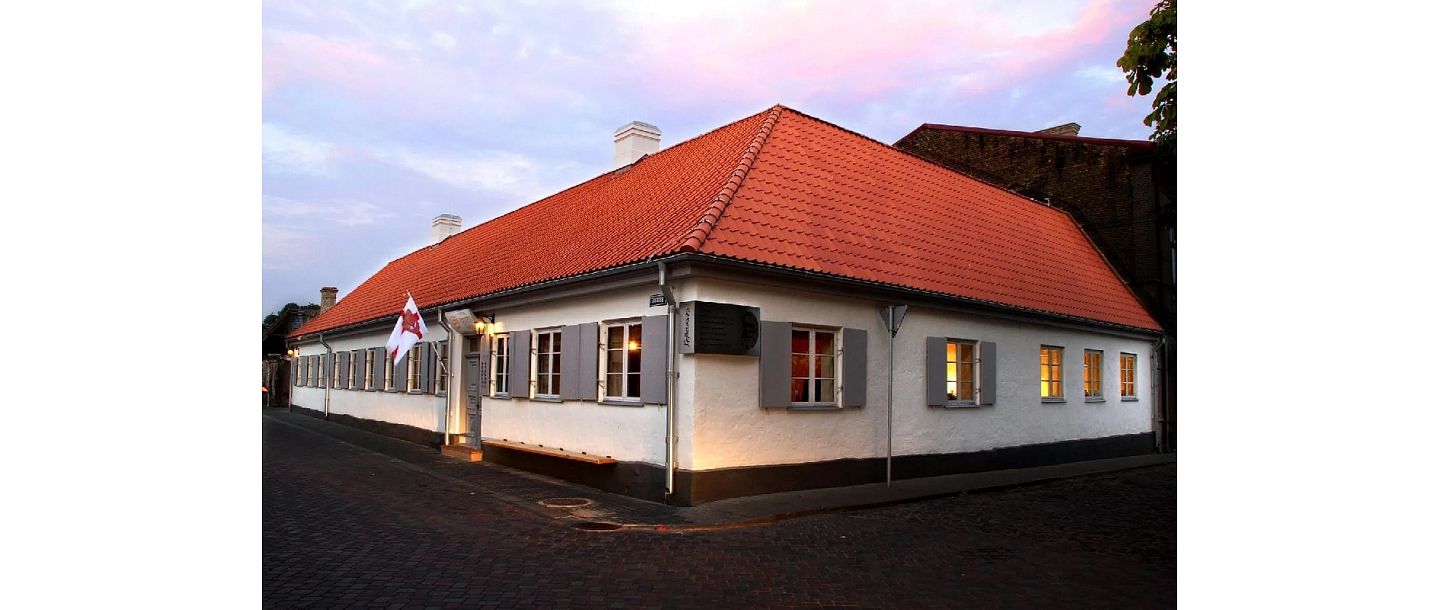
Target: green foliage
[[1150, 54], [310, 309]]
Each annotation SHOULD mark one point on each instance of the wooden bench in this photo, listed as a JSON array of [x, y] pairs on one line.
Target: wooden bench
[[560, 453], [464, 452]]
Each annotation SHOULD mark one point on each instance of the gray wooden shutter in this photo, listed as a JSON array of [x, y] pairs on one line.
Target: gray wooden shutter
[[520, 356], [589, 346], [653, 345], [853, 378], [377, 374], [314, 380], [935, 371], [988, 364], [570, 387], [401, 375], [774, 364], [485, 366], [427, 370]]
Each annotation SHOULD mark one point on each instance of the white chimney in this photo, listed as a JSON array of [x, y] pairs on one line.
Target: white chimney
[[444, 226], [633, 141]]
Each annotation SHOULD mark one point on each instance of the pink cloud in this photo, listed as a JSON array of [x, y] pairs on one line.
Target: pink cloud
[[292, 56]]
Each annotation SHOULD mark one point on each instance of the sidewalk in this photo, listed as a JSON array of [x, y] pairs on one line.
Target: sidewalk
[[589, 508]]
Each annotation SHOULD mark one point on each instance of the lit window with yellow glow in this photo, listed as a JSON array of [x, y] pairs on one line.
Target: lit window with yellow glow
[[812, 367], [622, 361], [1051, 373], [1094, 374], [960, 371], [1127, 376]]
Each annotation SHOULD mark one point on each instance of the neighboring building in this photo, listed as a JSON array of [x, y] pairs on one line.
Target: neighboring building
[[782, 242], [1122, 196], [274, 364]]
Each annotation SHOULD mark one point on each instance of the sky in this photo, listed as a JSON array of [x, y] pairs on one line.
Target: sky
[[379, 116]]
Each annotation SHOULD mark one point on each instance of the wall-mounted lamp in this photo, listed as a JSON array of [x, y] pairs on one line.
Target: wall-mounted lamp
[[293, 353], [481, 321]]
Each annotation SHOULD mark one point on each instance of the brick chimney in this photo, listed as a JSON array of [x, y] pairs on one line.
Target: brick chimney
[[1068, 129], [444, 226], [633, 141], [327, 298]]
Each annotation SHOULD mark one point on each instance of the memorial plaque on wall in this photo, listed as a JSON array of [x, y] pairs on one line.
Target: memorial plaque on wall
[[718, 328]]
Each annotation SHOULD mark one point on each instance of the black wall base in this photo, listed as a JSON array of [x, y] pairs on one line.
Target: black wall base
[[403, 432]]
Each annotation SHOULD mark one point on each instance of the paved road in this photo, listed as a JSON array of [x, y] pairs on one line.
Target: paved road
[[345, 526]]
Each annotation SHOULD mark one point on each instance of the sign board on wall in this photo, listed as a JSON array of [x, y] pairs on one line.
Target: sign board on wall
[[461, 320], [718, 328]]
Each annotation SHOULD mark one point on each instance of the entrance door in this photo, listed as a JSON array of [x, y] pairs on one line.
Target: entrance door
[[473, 375]]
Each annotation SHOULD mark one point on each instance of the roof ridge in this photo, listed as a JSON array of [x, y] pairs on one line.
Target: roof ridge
[[697, 235]]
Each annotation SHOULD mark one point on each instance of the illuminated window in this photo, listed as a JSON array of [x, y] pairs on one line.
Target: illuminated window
[[501, 366], [812, 366], [389, 372], [369, 369], [547, 363], [1051, 373], [1094, 375], [1127, 377], [960, 369], [412, 369], [622, 361]]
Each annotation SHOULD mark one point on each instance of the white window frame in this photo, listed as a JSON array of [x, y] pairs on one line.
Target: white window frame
[[352, 362], [1128, 387], [412, 370], [627, 376], [810, 377], [500, 353], [335, 370], [1094, 375], [369, 369], [1056, 374], [954, 367], [550, 380], [389, 372], [442, 366]]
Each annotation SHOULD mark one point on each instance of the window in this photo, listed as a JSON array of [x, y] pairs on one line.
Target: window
[[812, 366], [1094, 375], [442, 371], [1051, 374], [369, 369], [960, 371], [502, 365], [547, 363], [412, 369], [335, 370], [351, 364], [622, 361], [1127, 377], [389, 373]]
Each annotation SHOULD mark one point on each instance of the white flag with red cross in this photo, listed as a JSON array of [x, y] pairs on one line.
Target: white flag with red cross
[[409, 329]]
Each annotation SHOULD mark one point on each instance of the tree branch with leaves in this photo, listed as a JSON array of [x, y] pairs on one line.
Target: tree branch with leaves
[[1150, 54]]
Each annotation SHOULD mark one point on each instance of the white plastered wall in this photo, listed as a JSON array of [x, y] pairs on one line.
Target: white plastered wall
[[425, 411], [625, 432], [728, 429]]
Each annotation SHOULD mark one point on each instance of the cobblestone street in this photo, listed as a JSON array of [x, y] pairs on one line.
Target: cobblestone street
[[347, 526]]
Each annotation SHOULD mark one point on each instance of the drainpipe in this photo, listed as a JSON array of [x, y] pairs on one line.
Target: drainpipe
[[670, 375], [1157, 409], [330, 379], [445, 370]]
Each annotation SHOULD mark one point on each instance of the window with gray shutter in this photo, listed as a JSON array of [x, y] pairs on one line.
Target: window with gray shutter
[[853, 378], [357, 369], [344, 382], [653, 359], [398, 382], [377, 375], [520, 357], [988, 366], [935, 371], [325, 369], [774, 364], [313, 380]]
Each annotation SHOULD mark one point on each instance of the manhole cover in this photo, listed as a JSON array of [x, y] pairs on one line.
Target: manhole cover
[[597, 526], [565, 502]]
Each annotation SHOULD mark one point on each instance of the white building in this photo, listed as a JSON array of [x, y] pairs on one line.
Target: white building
[[760, 263]]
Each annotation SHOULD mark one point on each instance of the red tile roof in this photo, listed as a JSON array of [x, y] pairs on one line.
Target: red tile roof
[[778, 188]]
